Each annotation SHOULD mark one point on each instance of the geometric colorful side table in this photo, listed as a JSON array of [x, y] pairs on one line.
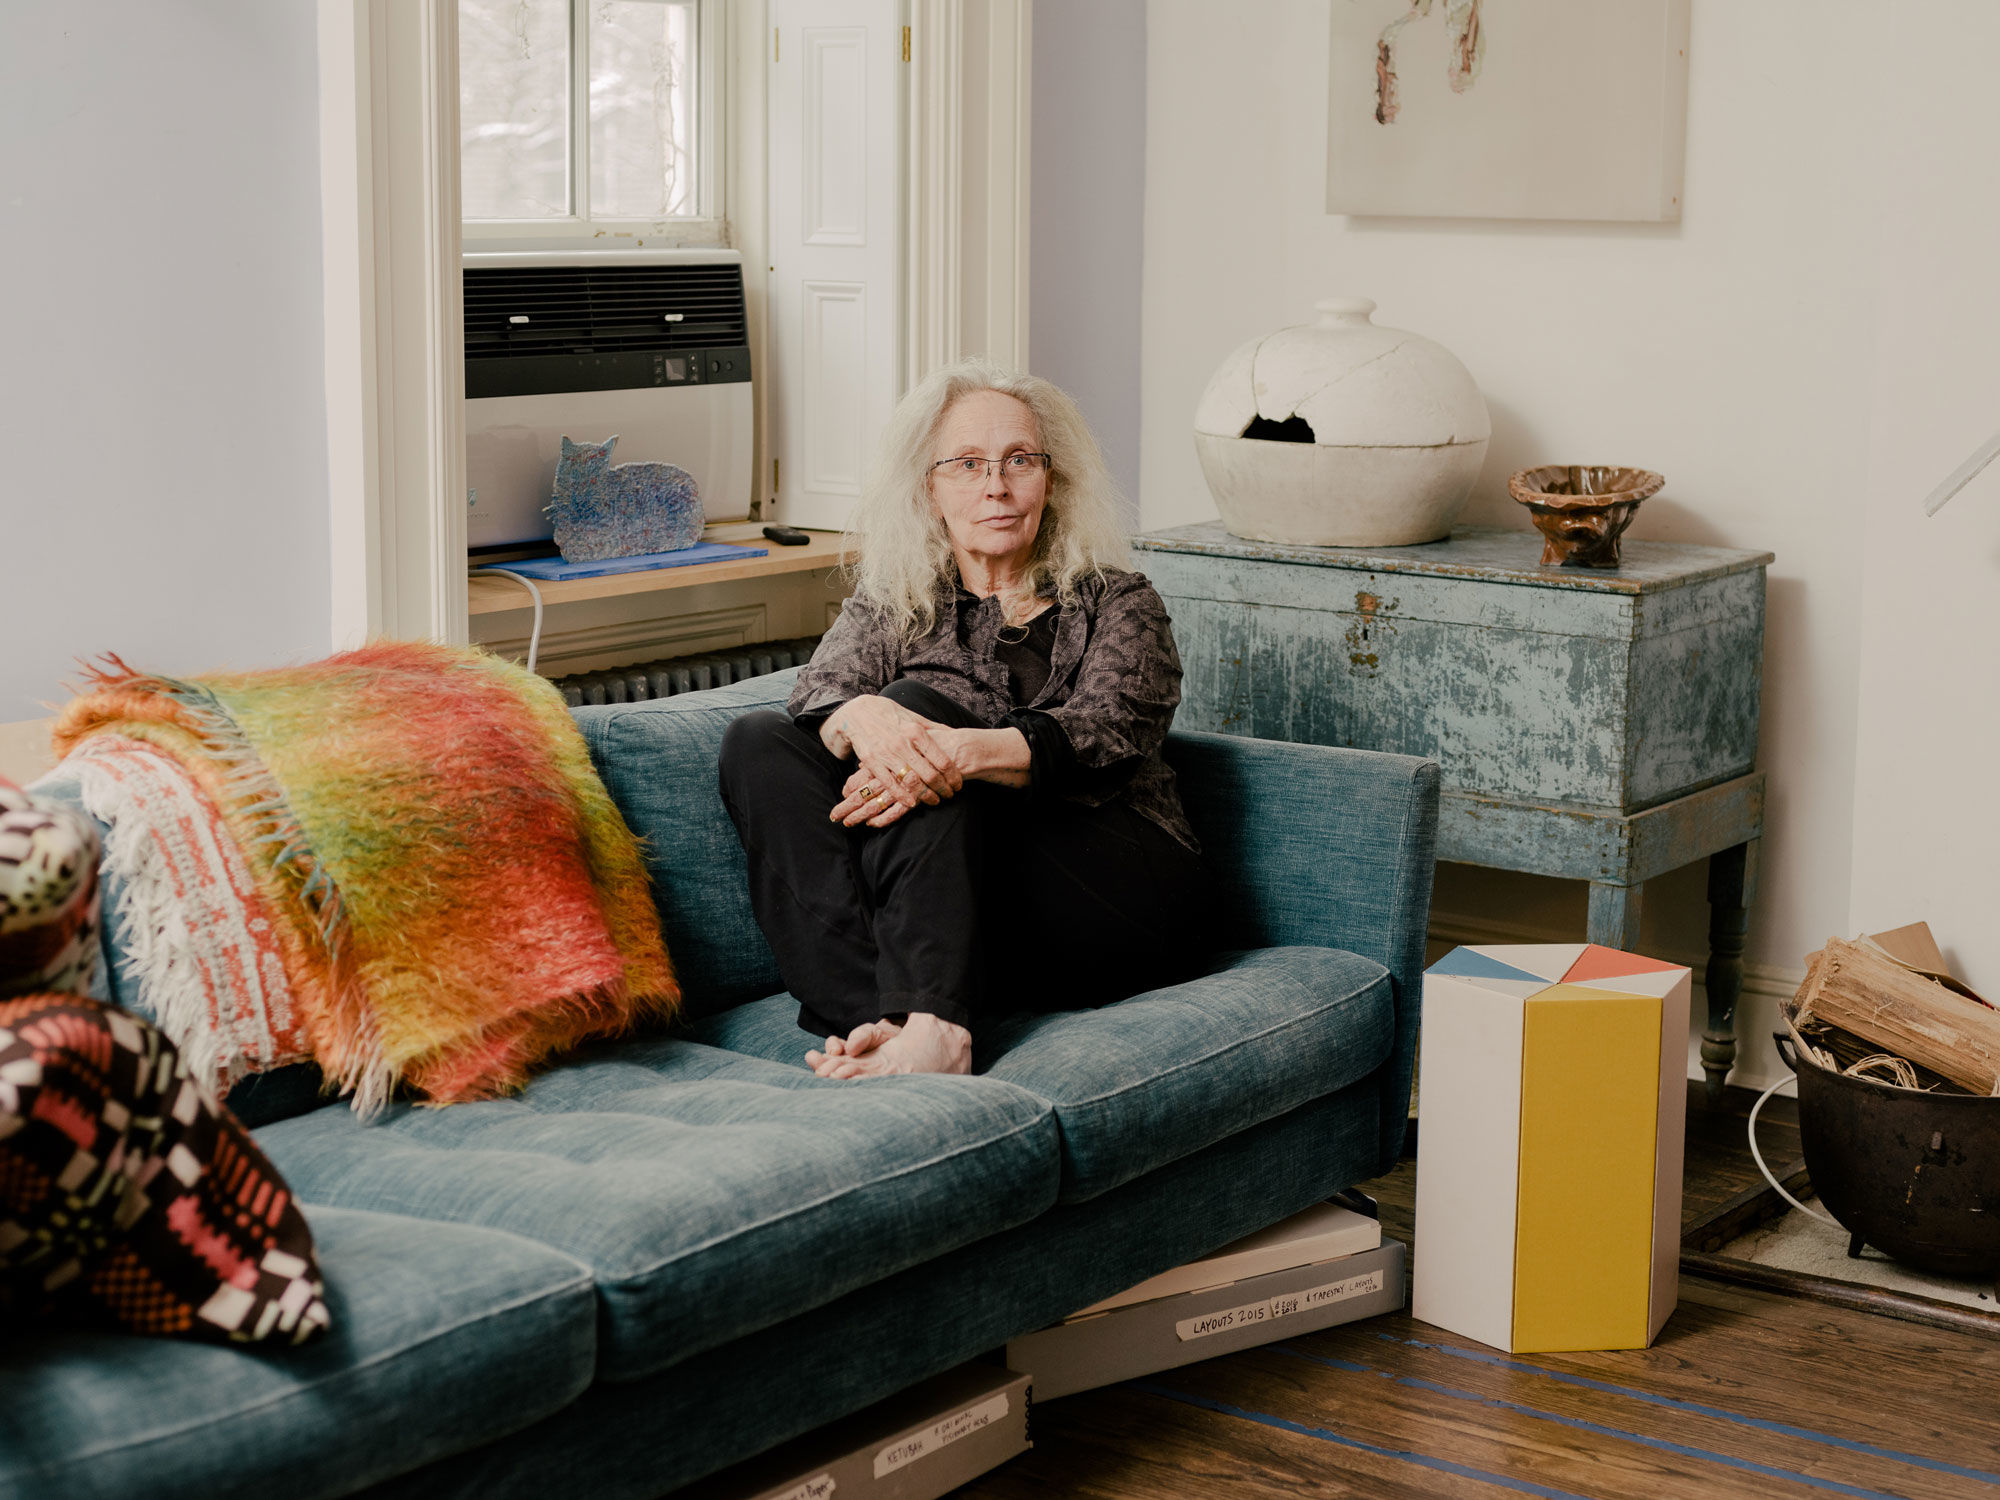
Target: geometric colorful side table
[[1553, 1100]]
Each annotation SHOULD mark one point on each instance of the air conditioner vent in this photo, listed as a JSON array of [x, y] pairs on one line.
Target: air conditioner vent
[[512, 311]]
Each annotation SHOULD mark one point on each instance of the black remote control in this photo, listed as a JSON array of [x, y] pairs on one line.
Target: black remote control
[[787, 536]]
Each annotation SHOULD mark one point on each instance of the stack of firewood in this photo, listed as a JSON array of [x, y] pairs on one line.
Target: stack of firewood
[[1886, 1008]]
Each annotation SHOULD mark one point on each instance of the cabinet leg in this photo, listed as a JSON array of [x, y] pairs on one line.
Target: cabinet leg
[[1614, 916], [1729, 893]]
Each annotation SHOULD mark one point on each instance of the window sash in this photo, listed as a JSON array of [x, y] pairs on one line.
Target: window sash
[[708, 226]]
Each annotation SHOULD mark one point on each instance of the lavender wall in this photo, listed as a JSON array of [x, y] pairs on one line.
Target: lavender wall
[[162, 420], [1087, 224]]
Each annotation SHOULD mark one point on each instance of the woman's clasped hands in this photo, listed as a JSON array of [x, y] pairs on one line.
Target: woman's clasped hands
[[901, 759]]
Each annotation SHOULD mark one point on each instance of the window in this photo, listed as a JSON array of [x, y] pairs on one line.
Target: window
[[589, 118]]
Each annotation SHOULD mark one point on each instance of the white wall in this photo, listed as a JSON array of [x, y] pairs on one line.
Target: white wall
[[161, 416], [1088, 184], [1831, 280], [1926, 826]]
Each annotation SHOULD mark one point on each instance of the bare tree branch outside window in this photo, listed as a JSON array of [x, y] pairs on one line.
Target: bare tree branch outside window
[[518, 159], [642, 163], [513, 90]]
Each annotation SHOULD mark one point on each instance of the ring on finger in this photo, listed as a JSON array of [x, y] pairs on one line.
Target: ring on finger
[[883, 799], [867, 791], [902, 773]]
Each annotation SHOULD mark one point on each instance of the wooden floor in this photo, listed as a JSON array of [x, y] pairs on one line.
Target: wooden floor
[[1746, 1393]]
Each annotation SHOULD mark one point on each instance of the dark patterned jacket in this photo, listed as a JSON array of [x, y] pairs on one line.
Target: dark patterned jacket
[[1114, 682]]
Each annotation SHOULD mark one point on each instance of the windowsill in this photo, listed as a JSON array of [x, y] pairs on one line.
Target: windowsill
[[618, 234], [490, 595]]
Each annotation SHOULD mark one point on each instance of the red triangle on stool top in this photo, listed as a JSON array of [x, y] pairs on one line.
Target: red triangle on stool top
[[1600, 962]]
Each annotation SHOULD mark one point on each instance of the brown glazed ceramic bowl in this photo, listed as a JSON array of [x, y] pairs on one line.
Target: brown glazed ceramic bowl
[[1582, 509]]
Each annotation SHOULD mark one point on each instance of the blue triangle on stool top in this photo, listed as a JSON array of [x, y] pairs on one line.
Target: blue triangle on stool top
[[1466, 963]]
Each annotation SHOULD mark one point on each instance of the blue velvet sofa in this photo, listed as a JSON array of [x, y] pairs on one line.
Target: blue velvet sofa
[[674, 1251]]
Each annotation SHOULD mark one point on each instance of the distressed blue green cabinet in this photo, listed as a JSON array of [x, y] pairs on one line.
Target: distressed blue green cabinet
[[1593, 725]]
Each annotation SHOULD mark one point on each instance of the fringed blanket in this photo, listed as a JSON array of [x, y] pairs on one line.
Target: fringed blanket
[[200, 941], [453, 895]]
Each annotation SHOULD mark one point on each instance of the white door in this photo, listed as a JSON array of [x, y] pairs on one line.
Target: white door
[[836, 102]]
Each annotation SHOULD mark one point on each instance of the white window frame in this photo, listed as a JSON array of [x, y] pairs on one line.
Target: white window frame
[[394, 319], [947, 314], [709, 226], [392, 266]]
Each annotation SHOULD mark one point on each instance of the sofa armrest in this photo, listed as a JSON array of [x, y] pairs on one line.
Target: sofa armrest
[[1327, 847]]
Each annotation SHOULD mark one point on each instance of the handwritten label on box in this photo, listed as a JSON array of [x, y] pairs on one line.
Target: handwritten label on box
[[1340, 1291], [816, 1488], [959, 1424], [1226, 1321], [1285, 1305]]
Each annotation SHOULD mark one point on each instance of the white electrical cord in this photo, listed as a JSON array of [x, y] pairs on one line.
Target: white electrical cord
[[534, 636], [1777, 1186]]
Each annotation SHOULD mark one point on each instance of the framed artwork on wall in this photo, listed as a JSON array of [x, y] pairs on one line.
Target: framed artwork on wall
[[1508, 109]]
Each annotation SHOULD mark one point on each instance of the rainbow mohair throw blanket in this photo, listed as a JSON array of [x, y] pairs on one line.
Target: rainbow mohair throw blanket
[[454, 895]]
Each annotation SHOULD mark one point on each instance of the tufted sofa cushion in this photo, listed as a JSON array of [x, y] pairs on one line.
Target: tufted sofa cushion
[[709, 1193], [443, 1338], [1164, 1074]]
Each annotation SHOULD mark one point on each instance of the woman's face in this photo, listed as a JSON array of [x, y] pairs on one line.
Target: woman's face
[[995, 518]]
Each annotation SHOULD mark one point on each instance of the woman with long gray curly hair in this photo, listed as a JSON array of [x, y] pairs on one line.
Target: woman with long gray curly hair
[[965, 811]]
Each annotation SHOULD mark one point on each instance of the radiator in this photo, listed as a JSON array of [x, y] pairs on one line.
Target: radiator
[[684, 674]]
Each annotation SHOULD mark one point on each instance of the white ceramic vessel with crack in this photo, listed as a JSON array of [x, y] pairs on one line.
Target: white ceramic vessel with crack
[[1341, 434]]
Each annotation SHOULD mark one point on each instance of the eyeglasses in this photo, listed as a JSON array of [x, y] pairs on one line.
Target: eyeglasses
[[970, 471]]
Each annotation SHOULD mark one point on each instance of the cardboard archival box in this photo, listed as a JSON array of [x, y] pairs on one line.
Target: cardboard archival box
[[1326, 1231], [919, 1444], [1549, 1165], [1093, 1349]]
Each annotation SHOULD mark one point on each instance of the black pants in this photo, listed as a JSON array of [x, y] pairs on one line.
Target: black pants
[[993, 901]]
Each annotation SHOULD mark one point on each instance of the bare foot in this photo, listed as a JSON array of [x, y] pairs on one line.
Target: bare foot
[[924, 1044], [864, 1039]]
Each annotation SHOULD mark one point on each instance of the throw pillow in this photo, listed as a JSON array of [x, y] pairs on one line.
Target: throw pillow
[[126, 1188], [48, 896]]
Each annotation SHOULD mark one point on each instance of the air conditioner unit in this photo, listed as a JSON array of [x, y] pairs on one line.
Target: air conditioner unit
[[650, 346]]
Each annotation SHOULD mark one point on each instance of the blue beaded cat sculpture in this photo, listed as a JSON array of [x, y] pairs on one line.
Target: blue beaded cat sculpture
[[604, 510]]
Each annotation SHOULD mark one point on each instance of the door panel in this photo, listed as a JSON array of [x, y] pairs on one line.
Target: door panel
[[835, 152]]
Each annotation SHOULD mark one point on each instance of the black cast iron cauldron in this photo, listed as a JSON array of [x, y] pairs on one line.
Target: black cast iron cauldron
[[1916, 1175]]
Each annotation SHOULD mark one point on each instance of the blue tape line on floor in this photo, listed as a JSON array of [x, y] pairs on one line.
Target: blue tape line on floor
[[1424, 1460], [1762, 1424], [1685, 1450]]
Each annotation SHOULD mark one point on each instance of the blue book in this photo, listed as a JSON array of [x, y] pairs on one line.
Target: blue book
[[554, 569]]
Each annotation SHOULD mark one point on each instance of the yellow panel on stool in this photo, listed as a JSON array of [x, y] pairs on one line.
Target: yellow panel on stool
[[1590, 1089]]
